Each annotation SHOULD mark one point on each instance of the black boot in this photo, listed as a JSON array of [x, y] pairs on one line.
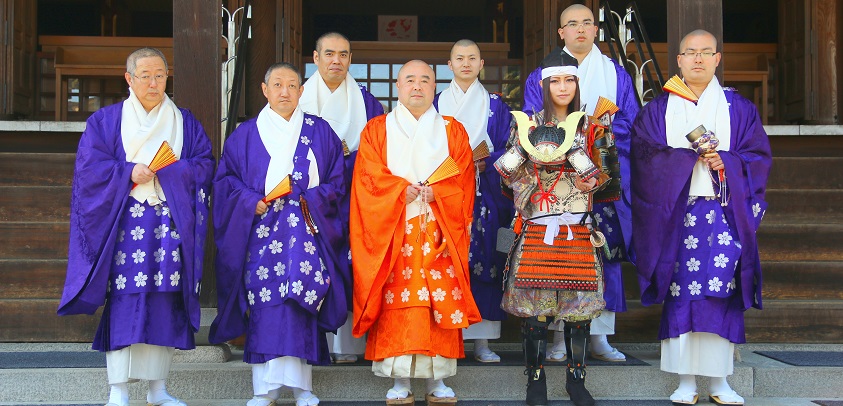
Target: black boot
[[576, 340], [534, 340]]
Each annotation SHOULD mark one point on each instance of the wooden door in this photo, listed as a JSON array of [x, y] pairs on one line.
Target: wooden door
[[17, 58], [290, 44]]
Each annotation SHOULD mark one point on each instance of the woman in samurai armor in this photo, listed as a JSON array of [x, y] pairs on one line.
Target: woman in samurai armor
[[553, 270]]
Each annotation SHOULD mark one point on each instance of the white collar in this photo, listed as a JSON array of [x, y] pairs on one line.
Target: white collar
[[470, 108], [344, 108], [682, 116], [597, 78], [142, 134]]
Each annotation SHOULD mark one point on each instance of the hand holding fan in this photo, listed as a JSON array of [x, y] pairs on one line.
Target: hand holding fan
[[282, 189], [163, 158]]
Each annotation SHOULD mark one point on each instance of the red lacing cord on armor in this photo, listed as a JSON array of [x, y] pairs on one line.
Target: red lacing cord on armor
[[542, 195]]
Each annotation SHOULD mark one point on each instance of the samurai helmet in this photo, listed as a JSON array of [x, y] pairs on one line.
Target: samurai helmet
[[547, 144]]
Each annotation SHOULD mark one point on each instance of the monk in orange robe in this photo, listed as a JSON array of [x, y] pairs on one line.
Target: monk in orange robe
[[409, 223]]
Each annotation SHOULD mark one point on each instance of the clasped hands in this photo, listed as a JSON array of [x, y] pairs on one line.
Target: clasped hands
[[413, 192]]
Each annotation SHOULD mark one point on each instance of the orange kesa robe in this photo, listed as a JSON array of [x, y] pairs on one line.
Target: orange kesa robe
[[402, 325]]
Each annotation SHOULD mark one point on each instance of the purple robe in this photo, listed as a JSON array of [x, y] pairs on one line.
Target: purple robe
[[374, 108], [615, 218], [100, 202], [492, 210], [292, 326], [661, 181]]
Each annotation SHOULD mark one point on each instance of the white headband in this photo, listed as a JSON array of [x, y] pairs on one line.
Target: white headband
[[558, 70]]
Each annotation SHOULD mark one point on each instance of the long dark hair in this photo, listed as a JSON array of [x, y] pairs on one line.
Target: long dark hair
[[547, 101]]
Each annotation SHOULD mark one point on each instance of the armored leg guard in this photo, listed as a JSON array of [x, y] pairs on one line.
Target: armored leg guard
[[576, 339], [534, 339]]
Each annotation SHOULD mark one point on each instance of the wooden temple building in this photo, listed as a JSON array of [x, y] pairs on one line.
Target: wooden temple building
[[61, 60]]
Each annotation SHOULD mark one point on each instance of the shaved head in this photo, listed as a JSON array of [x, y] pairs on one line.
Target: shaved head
[[697, 33], [414, 64], [331, 35], [563, 18], [464, 43]]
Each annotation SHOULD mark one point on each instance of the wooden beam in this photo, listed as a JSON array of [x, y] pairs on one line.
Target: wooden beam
[[684, 16], [196, 47]]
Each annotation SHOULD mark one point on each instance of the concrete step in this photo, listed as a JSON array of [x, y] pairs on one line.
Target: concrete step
[[34, 240], [800, 242], [35, 203], [755, 377], [36, 169]]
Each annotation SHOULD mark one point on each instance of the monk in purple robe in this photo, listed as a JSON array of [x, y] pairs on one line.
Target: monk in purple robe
[[487, 121], [695, 214], [599, 76], [137, 236], [333, 94], [277, 267]]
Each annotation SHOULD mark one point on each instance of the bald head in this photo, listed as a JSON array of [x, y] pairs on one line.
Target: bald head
[[574, 8], [578, 30], [416, 87], [698, 33], [334, 36], [415, 66], [465, 43]]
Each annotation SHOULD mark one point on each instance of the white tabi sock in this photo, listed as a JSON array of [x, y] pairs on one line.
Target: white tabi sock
[[437, 387], [719, 385], [304, 397], [687, 384], [400, 390], [599, 344], [158, 393], [119, 394]]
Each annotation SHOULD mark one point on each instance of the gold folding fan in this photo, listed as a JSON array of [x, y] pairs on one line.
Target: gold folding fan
[[676, 86], [481, 151], [163, 158], [282, 189], [605, 106], [447, 169]]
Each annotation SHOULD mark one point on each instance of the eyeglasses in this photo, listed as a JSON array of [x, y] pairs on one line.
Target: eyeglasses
[[694, 55], [574, 25], [147, 79]]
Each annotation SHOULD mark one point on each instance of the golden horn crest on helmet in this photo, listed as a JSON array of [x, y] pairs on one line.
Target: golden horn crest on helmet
[[569, 125]]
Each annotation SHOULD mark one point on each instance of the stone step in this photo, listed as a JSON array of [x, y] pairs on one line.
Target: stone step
[[755, 377], [34, 240], [806, 173], [35, 203], [43, 169], [800, 242]]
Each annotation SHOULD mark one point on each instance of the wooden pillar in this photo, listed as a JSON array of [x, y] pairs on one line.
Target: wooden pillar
[[197, 55], [825, 24], [260, 53], [684, 16]]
